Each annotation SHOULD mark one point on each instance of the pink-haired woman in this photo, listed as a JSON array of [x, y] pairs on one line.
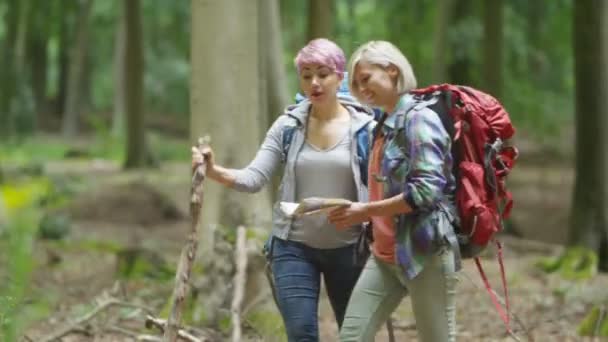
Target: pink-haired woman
[[321, 145]]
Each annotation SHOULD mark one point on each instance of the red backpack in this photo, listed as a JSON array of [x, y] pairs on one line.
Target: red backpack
[[480, 129]]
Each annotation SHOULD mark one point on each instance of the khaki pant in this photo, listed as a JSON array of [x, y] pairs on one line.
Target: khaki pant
[[381, 287]]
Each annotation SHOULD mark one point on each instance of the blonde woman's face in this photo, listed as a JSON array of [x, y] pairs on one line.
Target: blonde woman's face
[[376, 85], [319, 83]]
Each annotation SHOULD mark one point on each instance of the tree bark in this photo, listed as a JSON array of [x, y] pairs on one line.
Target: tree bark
[[77, 65], [589, 219], [320, 18], [493, 47], [136, 155]]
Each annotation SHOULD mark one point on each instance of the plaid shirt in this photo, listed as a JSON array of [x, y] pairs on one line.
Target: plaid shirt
[[417, 163]]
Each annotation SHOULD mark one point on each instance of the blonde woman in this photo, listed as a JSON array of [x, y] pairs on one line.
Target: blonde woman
[[409, 180]]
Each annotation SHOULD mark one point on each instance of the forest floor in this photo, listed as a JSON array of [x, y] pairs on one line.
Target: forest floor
[[117, 211]]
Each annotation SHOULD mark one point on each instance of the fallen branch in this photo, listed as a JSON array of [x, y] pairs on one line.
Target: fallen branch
[[103, 302], [106, 303], [240, 279], [160, 324], [188, 255]]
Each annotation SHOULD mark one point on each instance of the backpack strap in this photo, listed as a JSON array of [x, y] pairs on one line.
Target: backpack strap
[[506, 311], [363, 140], [286, 139]]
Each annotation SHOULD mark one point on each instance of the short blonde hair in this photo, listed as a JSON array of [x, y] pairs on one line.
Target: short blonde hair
[[382, 53]]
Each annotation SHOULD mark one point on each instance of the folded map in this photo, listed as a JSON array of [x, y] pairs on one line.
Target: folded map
[[312, 206]]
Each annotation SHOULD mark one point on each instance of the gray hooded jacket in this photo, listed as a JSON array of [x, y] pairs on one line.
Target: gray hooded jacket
[[270, 156]]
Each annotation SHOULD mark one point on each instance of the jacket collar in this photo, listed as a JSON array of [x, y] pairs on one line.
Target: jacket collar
[[360, 114], [406, 102]]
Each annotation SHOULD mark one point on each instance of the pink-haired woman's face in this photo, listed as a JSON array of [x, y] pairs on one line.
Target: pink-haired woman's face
[[319, 83]]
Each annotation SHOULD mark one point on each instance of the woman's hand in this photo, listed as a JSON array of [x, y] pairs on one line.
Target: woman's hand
[[346, 217], [203, 154]]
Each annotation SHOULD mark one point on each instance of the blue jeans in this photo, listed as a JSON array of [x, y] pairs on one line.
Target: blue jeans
[[297, 271]]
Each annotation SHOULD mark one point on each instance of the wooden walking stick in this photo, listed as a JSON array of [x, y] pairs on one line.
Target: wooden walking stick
[[188, 255]]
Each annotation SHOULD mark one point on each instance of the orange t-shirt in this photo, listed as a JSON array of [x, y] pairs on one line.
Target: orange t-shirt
[[383, 226]]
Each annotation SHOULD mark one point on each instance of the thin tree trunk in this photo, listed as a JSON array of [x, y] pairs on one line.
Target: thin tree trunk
[[118, 117], [459, 69], [589, 218], [7, 86], [77, 64], [272, 57], [440, 63], [321, 18], [38, 62], [64, 12], [136, 145], [21, 39], [493, 47], [536, 67]]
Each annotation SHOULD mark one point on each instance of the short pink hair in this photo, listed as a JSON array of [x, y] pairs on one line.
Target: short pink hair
[[321, 51]]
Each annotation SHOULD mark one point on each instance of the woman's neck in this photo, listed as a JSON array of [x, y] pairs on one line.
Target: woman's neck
[[391, 105], [327, 111]]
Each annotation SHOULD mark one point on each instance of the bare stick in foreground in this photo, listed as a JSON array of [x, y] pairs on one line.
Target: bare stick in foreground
[[160, 324], [240, 278], [188, 255]]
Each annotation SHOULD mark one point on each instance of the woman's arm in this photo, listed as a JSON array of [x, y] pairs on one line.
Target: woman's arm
[[428, 146], [359, 212], [259, 171]]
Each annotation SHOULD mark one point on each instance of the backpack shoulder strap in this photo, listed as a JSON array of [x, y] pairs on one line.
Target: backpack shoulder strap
[[364, 143], [286, 139]]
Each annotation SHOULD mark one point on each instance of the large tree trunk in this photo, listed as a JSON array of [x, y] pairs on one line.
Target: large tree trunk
[[118, 117], [493, 47], [224, 101], [76, 68], [320, 18], [134, 59], [589, 218], [440, 63]]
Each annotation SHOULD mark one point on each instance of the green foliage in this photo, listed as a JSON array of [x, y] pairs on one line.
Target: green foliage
[[18, 241], [595, 323], [576, 263]]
